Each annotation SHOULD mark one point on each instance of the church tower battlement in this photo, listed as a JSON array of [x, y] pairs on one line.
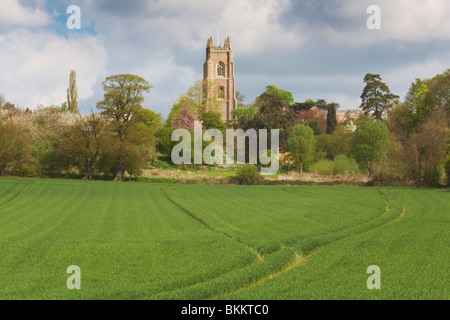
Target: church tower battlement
[[218, 75]]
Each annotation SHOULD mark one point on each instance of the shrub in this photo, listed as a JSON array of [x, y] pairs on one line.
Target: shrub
[[344, 165], [249, 175], [324, 167]]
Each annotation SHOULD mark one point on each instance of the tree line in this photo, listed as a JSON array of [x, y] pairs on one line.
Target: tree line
[[392, 141]]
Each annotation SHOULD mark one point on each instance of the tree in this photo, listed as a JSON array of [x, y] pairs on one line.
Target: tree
[[369, 144], [212, 120], [322, 104], [304, 106], [376, 97], [331, 118], [302, 145], [72, 94], [339, 142], [185, 118], [122, 102], [429, 96], [150, 118], [316, 115], [288, 99], [81, 143], [15, 148], [243, 114], [431, 142], [272, 114], [194, 97], [240, 99], [164, 143]]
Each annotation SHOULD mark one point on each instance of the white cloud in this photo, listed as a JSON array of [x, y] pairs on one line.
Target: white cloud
[[401, 21], [255, 26], [13, 14], [35, 66]]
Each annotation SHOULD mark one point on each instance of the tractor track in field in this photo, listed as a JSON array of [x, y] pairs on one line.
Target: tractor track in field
[[302, 259], [17, 194], [299, 259], [207, 226]]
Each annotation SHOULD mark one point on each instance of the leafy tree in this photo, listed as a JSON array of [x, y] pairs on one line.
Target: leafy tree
[[322, 104], [243, 114], [331, 118], [150, 118], [194, 98], [122, 102], [139, 149], [303, 106], [272, 114], [81, 143], [302, 145], [339, 142], [72, 94], [369, 144], [314, 117], [288, 99], [376, 97], [15, 148], [429, 96], [176, 107], [164, 143], [430, 140], [314, 125], [64, 107], [185, 119], [212, 120]]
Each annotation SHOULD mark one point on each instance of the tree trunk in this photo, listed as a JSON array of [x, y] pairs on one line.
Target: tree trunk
[[301, 168], [119, 175], [88, 175]]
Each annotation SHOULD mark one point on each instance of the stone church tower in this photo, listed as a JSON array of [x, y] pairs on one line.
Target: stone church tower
[[218, 75]]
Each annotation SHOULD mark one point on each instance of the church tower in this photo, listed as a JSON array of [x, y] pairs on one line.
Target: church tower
[[218, 76]]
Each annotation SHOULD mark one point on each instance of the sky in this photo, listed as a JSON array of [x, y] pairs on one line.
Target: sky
[[319, 49]]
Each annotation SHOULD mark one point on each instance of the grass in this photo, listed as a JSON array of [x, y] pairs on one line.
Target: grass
[[169, 241]]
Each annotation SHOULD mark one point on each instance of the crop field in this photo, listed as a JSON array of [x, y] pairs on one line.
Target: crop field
[[174, 241]]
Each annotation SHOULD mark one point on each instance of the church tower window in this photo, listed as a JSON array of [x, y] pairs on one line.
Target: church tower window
[[221, 93], [221, 69]]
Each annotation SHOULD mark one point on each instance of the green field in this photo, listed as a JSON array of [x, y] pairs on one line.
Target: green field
[[161, 241]]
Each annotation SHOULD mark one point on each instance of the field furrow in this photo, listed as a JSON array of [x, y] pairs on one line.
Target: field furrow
[[150, 241]]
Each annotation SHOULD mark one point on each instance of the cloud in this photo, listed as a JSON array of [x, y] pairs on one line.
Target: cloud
[[13, 14], [314, 48], [35, 66], [255, 26], [344, 22]]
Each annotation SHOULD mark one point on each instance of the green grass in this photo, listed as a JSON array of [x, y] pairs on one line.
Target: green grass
[[165, 241]]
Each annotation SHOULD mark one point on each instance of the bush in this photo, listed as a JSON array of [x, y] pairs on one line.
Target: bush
[[249, 175], [343, 165], [324, 167]]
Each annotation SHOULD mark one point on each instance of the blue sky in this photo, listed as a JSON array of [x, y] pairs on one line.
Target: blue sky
[[313, 48]]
